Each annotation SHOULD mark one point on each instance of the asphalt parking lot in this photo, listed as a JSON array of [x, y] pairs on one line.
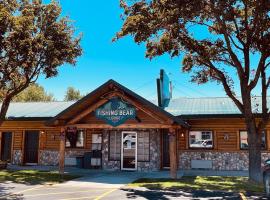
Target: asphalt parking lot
[[107, 186], [88, 187], [143, 194], [68, 192], [71, 192], [60, 192]]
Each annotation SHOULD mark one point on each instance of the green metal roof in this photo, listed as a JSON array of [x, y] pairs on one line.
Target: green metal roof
[[177, 107], [208, 106], [36, 109]]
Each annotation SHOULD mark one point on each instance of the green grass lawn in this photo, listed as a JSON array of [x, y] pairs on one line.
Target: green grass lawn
[[34, 177], [231, 184]]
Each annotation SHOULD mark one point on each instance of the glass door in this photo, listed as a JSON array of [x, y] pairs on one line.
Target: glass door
[[129, 151], [31, 147], [165, 150]]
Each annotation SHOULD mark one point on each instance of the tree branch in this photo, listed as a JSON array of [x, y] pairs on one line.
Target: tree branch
[[223, 80], [267, 65], [232, 54], [261, 65], [265, 113], [234, 43], [237, 32]]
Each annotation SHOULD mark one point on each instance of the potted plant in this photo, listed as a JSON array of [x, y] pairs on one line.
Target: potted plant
[[3, 164]]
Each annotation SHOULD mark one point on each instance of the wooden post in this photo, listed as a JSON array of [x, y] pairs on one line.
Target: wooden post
[[1, 145], [23, 148], [173, 154], [62, 151]]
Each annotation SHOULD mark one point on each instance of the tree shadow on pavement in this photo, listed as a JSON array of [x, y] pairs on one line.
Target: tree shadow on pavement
[[6, 194], [166, 194]]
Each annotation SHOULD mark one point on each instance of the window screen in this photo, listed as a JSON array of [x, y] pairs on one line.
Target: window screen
[[96, 141], [115, 146], [143, 146]]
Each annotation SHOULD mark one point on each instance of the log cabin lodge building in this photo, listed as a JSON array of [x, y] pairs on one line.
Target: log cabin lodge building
[[116, 129]]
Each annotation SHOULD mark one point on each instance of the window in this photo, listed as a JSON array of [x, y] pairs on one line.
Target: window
[[143, 146], [200, 139], [75, 138], [244, 140], [96, 141], [115, 146]]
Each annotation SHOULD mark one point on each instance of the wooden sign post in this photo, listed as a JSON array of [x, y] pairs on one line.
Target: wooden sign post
[[62, 151], [173, 154]]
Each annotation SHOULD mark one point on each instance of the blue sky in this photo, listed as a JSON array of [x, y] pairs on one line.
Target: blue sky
[[123, 61]]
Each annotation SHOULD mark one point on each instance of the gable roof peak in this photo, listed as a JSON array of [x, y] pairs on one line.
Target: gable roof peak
[[106, 88]]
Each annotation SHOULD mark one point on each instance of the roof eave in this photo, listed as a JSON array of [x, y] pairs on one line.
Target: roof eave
[[211, 116]]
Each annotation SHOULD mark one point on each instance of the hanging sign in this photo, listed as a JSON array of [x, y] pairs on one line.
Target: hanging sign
[[115, 112], [71, 129]]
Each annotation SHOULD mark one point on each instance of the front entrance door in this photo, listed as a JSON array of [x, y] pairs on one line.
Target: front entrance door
[[165, 150], [129, 150], [31, 147], [6, 146]]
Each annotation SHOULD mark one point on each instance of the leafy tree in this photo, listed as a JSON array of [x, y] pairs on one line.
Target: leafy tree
[[72, 94], [34, 93], [235, 40], [34, 40]]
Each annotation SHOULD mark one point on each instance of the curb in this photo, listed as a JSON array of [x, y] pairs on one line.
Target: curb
[[242, 196]]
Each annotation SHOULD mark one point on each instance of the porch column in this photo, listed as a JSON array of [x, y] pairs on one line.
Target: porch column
[[173, 154], [1, 145], [62, 151]]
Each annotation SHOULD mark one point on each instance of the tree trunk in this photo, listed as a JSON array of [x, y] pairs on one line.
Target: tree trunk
[[4, 109], [254, 144]]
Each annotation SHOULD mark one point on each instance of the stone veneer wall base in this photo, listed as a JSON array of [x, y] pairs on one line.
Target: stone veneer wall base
[[220, 160], [17, 157]]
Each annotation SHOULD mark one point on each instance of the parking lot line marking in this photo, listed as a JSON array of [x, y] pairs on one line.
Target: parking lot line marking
[[56, 193], [30, 189], [243, 197], [78, 198], [26, 190], [104, 194]]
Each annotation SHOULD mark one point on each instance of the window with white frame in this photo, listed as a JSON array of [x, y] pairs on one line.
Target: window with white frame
[[244, 140], [200, 139]]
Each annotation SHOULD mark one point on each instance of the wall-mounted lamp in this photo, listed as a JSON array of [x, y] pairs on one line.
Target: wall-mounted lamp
[[182, 135]]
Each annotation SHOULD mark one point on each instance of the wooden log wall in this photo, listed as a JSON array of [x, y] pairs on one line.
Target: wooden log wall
[[49, 137], [226, 136]]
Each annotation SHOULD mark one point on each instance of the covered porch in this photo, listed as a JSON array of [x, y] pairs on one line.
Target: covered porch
[[130, 132]]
